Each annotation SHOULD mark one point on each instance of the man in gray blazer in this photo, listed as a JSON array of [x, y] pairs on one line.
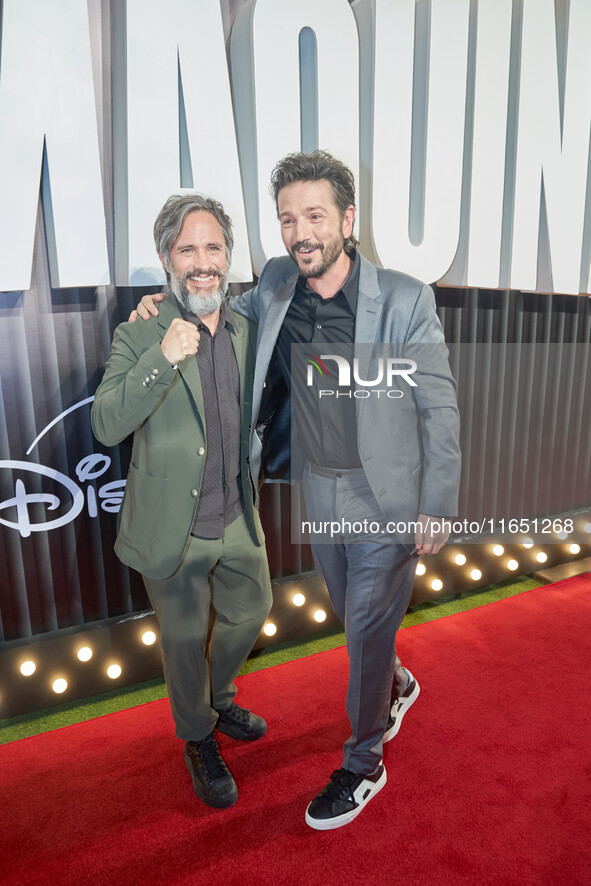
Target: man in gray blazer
[[400, 467]]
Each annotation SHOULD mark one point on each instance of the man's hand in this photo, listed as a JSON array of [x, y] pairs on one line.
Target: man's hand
[[430, 537], [147, 306], [181, 340]]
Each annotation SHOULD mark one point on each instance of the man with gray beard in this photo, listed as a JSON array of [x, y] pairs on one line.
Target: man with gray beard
[[182, 384]]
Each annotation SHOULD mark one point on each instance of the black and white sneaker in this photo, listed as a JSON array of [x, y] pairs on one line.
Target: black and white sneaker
[[400, 706], [343, 798]]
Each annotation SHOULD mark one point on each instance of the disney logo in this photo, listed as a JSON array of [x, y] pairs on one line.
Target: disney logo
[[30, 503]]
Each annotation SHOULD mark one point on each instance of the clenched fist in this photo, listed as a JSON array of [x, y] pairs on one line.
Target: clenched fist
[[180, 341]]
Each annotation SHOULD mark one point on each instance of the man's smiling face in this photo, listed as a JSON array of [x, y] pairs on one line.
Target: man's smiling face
[[312, 227], [198, 264]]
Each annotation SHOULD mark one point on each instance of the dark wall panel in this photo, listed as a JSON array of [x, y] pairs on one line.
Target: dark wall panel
[[522, 363]]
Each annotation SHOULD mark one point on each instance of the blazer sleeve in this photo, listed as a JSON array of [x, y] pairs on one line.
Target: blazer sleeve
[[252, 304], [247, 304], [436, 403], [137, 375]]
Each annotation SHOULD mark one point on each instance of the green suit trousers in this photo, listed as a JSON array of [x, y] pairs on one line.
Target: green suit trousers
[[231, 576]]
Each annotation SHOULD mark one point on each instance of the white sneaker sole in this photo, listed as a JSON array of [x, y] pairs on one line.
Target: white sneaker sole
[[408, 702], [328, 824]]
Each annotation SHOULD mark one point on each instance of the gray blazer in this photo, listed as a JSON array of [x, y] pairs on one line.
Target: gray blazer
[[410, 452]]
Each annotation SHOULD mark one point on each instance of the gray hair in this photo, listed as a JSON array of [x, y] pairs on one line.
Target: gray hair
[[171, 218], [318, 166]]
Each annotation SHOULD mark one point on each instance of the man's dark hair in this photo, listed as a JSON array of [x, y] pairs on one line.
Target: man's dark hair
[[317, 166]]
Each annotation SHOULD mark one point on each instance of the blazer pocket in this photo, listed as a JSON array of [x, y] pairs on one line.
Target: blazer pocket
[[142, 508]]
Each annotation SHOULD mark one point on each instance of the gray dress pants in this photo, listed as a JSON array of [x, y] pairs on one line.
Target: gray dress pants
[[370, 591]]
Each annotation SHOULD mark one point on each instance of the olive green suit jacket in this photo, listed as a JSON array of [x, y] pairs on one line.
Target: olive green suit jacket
[[142, 394]]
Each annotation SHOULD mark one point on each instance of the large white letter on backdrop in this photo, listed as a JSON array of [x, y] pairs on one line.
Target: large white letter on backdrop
[[265, 49], [487, 182], [545, 150], [174, 127], [47, 93], [439, 138]]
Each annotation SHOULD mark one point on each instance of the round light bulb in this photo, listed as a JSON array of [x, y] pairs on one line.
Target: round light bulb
[[114, 671], [437, 584], [84, 653], [498, 550], [320, 615], [512, 565], [270, 629], [298, 599], [587, 528], [59, 685], [476, 575], [148, 638], [575, 549], [421, 569], [460, 559], [541, 557], [28, 668], [528, 543], [562, 535]]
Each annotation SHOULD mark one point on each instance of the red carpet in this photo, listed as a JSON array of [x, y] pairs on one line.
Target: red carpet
[[488, 781]]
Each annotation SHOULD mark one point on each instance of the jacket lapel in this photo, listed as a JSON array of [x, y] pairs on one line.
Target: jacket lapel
[[267, 336], [369, 311], [367, 321]]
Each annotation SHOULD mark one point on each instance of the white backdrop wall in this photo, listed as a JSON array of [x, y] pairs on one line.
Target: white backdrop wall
[[470, 121]]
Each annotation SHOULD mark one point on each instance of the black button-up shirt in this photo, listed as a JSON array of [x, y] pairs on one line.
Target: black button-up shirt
[[220, 499], [327, 425]]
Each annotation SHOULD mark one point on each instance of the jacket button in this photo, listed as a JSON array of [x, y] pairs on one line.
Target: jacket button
[[201, 451], [194, 493]]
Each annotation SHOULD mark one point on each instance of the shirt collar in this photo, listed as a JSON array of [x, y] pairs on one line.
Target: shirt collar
[[226, 315]]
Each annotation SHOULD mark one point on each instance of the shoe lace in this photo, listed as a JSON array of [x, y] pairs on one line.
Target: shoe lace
[[241, 715], [341, 785], [211, 757]]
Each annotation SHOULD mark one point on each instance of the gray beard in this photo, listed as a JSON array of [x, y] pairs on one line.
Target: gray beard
[[201, 305]]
